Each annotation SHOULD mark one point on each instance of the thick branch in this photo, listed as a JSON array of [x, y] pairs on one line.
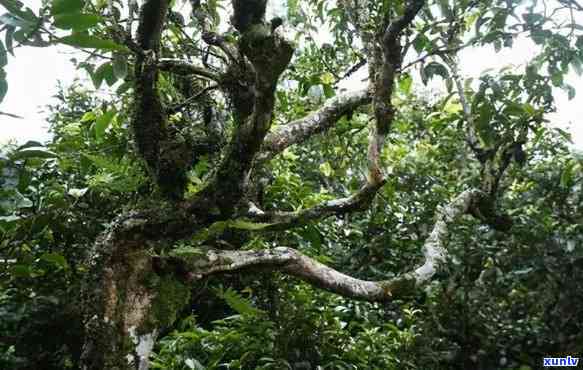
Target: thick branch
[[395, 28], [149, 116], [294, 263], [298, 131], [268, 54], [385, 62]]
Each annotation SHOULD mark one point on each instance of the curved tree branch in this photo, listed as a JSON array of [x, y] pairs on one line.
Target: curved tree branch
[[298, 131], [294, 263]]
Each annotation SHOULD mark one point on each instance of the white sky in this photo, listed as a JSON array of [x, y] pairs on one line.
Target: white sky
[[33, 75]]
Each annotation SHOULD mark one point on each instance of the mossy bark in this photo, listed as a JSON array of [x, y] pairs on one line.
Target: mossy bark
[[127, 305]]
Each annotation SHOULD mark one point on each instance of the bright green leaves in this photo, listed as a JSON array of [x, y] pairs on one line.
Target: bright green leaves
[[78, 22], [326, 169], [81, 40], [68, 15], [237, 302], [66, 6], [405, 83], [102, 122]]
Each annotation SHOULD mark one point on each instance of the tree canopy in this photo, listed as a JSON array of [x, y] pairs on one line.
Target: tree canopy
[[225, 192]]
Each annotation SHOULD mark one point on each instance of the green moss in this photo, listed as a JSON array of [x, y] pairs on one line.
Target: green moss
[[172, 296]]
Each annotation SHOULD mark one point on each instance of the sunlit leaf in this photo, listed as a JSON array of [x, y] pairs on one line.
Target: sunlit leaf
[[102, 122]]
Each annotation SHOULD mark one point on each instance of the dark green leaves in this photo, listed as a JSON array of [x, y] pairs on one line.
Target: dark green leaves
[[91, 42], [434, 69], [14, 21], [3, 85], [3, 56], [120, 66], [104, 72]]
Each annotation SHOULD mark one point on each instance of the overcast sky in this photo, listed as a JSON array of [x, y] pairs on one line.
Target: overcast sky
[[33, 75]]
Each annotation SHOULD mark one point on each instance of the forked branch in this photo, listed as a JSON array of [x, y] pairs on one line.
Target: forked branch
[[356, 202], [294, 263]]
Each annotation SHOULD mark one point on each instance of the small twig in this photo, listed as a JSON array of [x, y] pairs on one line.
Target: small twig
[[10, 115], [188, 101]]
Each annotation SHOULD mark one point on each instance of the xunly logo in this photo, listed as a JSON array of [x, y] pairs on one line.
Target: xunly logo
[[560, 361]]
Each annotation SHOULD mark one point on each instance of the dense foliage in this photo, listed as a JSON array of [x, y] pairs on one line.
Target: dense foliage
[[507, 297]]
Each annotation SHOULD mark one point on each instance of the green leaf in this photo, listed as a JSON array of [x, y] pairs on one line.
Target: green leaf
[[34, 152], [103, 72], [90, 42], [247, 225], [89, 116], [570, 91], [8, 39], [14, 21], [15, 7], [326, 169], [434, 69], [421, 42], [485, 114], [514, 109], [327, 78], [3, 55], [56, 259], [22, 271], [237, 302], [186, 251], [76, 21], [29, 144], [3, 85], [557, 79], [120, 66], [102, 122], [405, 83], [533, 18], [328, 91], [66, 6]]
